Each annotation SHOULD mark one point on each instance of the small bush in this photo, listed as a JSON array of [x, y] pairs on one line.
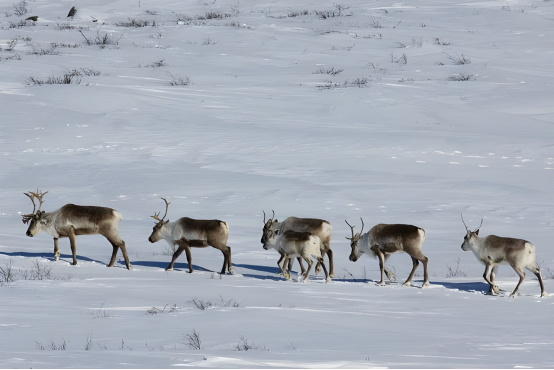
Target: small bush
[[157, 64], [243, 345], [179, 81], [21, 8], [214, 15], [202, 304], [438, 41], [63, 45], [460, 60], [461, 77], [11, 45], [11, 57], [7, 273], [22, 23], [156, 310], [337, 11], [297, 13], [101, 40], [65, 26], [51, 345], [137, 22], [68, 78], [402, 60], [330, 71], [455, 272], [193, 340], [52, 50]]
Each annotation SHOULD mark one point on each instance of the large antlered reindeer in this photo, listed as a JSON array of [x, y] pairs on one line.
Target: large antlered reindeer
[[71, 220], [187, 232], [493, 251], [382, 240]]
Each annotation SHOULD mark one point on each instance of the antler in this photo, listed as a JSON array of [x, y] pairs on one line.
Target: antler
[[464, 222], [272, 217], [479, 226], [156, 215], [355, 237], [466, 225], [32, 195]]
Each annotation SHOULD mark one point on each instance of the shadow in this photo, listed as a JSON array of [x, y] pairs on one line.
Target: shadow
[[466, 287], [268, 269], [50, 256], [176, 266], [265, 277]]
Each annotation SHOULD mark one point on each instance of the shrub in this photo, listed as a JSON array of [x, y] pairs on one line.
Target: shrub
[[193, 340], [330, 71]]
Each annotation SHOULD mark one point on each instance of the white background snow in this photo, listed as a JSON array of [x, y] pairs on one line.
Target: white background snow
[[257, 130]]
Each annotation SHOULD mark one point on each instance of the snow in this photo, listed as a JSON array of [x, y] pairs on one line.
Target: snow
[[256, 130]]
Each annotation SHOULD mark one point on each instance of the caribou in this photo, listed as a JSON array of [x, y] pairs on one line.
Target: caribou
[[382, 240], [298, 244], [187, 232], [314, 226], [271, 228], [493, 251], [72, 220]]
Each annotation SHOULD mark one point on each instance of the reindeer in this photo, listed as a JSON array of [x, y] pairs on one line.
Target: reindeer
[[187, 232], [318, 227], [71, 220], [493, 251], [298, 244], [382, 240], [271, 228]]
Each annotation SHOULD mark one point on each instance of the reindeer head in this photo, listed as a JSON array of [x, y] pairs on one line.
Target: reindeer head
[[271, 229], [470, 237], [356, 253], [157, 234], [38, 221]]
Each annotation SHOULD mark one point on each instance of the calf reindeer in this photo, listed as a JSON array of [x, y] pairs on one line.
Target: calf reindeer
[[298, 244], [493, 251], [187, 232], [271, 228], [314, 226], [382, 240], [71, 220]]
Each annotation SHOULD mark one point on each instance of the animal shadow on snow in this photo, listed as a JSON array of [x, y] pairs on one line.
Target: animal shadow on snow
[[476, 286], [183, 266], [273, 271], [49, 256]]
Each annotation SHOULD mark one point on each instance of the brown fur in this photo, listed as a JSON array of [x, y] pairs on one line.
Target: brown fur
[[212, 233], [296, 236], [313, 226]]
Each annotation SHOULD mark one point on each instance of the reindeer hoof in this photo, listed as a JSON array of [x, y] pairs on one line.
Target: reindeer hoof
[[425, 286], [543, 294], [328, 281], [232, 272], [381, 283], [130, 268], [496, 290], [169, 269]]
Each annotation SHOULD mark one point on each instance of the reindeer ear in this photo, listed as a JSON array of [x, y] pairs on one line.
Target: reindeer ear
[[276, 220], [166, 221], [477, 232]]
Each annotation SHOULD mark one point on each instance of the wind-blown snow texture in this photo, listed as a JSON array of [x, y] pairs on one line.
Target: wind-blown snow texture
[[257, 130]]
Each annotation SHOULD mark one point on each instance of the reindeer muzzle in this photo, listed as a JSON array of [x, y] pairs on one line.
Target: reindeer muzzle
[[29, 233]]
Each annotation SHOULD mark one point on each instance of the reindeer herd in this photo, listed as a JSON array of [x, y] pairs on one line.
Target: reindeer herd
[[306, 239]]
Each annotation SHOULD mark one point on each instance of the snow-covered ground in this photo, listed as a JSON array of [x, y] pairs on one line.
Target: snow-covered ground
[[392, 138]]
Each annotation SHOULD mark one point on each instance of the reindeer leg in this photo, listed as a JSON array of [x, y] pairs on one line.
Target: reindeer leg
[[310, 263], [331, 267], [229, 265], [415, 263], [279, 263], [125, 257], [56, 250], [486, 275], [493, 275], [381, 264], [537, 271], [327, 276], [318, 268], [521, 277], [290, 264], [301, 265], [73, 244], [177, 253], [390, 274]]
